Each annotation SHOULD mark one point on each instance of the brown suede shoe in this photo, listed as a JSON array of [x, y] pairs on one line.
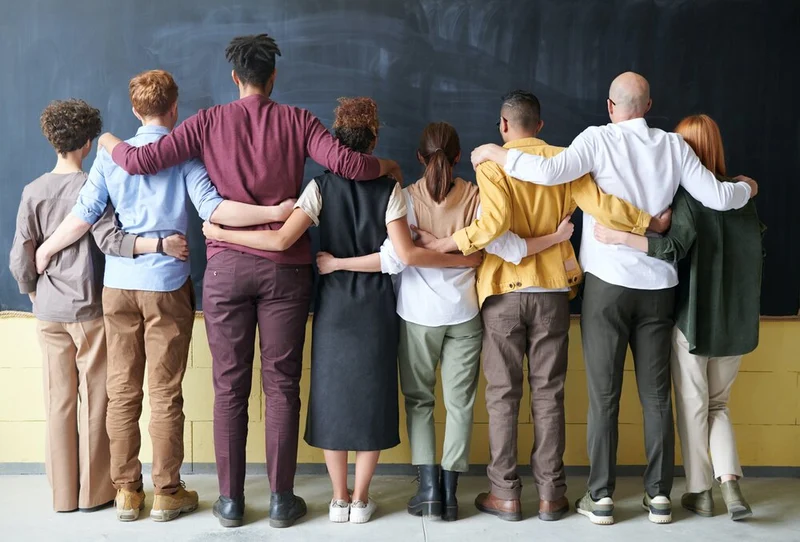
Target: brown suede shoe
[[168, 507], [129, 504], [553, 510], [508, 510]]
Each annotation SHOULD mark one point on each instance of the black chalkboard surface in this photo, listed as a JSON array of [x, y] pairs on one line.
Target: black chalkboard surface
[[426, 60]]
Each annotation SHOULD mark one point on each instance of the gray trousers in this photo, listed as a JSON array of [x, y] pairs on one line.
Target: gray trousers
[[613, 317]]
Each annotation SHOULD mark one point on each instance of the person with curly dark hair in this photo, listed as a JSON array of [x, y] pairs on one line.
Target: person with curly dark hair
[[353, 399], [255, 150], [67, 302]]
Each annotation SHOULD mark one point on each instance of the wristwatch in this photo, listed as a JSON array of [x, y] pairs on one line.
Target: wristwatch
[[160, 246]]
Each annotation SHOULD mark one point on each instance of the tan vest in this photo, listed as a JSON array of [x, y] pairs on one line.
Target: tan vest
[[455, 212]]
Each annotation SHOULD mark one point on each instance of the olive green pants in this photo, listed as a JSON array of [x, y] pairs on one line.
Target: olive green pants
[[459, 349]]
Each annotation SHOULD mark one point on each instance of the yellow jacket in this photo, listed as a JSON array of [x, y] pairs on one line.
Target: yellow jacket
[[532, 210]]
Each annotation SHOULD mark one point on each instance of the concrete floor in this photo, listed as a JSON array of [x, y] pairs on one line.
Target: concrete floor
[[26, 516]]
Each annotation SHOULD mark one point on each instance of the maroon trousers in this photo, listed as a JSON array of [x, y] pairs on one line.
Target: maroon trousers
[[242, 291]]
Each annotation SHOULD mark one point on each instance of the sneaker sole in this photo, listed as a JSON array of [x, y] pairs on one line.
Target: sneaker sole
[[130, 515], [359, 520], [426, 509], [341, 515], [597, 520], [169, 515], [658, 519], [225, 522]]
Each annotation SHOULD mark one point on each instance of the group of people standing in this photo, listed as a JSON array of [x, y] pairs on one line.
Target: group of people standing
[[486, 268]]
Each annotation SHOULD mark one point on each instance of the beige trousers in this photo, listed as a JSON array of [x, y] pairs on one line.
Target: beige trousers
[[702, 388], [76, 443], [149, 330]]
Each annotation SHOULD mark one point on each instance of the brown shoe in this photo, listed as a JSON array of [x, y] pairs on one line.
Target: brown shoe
[[168, 507], [129, 504], [553, 510], [509, 510]]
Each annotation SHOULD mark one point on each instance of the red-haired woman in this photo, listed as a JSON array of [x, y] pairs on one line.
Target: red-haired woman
[[353, 399], [719, 256]]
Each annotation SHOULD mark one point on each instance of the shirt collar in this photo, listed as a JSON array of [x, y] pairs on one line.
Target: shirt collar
[[634, 123], [524, 142], [152, 129]]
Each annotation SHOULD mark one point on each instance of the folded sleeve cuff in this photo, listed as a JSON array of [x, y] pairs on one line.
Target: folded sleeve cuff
[[27, 287], [642, 223], [127, 245], [464, 244], [86, 214]]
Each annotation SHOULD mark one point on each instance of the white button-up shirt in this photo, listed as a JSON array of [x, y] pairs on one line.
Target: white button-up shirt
[[642, 165], [442, 296]]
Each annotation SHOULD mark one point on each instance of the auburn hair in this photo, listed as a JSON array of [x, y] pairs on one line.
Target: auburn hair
[[153, 93], [356, 123], [703, 136], [439, 148]]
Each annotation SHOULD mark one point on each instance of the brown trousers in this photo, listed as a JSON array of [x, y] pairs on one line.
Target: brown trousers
[[155, 327], [76, 443], [516, 324]]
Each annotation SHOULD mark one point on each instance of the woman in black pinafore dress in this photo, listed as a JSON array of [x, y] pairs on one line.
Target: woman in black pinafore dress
[[353, 403]]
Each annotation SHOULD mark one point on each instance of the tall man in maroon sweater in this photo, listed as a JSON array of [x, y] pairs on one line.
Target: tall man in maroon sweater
[[254, 150]]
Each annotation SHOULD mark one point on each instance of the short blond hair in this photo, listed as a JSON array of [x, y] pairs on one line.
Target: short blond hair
[[153, 93]]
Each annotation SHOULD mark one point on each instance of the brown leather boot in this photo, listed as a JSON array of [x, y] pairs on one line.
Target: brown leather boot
[[553, 510], [508, 510]]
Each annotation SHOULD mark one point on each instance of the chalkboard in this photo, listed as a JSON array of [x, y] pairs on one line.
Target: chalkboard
[[426, 60]]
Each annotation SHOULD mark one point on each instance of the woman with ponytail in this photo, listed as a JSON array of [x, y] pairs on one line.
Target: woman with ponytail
[[439, 321]]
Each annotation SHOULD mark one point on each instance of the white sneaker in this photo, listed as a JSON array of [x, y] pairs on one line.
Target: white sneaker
[[361, 512], [339, 511]]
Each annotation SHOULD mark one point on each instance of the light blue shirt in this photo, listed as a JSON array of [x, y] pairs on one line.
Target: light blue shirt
[[148, 206]]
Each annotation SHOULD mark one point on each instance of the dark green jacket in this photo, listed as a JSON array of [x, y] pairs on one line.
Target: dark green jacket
[[720, 258]]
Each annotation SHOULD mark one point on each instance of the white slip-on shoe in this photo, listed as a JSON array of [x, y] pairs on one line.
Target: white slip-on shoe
[[339, 511], [361, 512]]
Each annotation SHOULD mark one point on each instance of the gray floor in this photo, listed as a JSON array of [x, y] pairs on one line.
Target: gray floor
[[26, 516]]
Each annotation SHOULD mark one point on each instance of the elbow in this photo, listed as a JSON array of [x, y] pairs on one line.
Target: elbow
[[407, 256]]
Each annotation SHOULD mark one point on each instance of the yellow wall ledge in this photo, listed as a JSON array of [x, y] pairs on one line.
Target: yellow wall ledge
[[765, 404]]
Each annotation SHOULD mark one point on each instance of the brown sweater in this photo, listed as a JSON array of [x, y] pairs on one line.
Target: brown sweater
[[456, 211]]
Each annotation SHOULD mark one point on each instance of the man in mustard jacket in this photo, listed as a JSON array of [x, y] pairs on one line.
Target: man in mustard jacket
[[525, 307]]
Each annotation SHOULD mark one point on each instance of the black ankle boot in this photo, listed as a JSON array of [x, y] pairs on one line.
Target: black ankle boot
[[229, 512], [449, 501], [285, 508], [428, 500]]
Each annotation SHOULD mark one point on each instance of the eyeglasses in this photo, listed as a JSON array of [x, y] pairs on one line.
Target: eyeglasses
[[612, 102], [500, 121]]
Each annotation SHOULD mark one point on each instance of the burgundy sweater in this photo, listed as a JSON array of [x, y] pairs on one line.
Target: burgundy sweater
[[254, 150]]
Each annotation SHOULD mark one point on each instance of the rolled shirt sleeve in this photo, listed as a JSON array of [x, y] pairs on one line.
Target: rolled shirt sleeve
[[509, 247], [495, 219], [310, 201], [203, 194], [93, 197]]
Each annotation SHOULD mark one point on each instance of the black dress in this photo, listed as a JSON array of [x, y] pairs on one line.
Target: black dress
[[353, 401]]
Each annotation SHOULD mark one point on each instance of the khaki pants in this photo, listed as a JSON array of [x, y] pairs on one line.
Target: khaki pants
[[702, 388], [76, 443], [459, 349], [516, 324], [155, 327]]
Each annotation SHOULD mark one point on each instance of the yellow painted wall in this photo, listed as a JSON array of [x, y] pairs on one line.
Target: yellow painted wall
[[765, 404]]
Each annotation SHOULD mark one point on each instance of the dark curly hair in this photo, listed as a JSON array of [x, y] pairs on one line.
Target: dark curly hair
[[69, 124], [253, 58], [356, 124]]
